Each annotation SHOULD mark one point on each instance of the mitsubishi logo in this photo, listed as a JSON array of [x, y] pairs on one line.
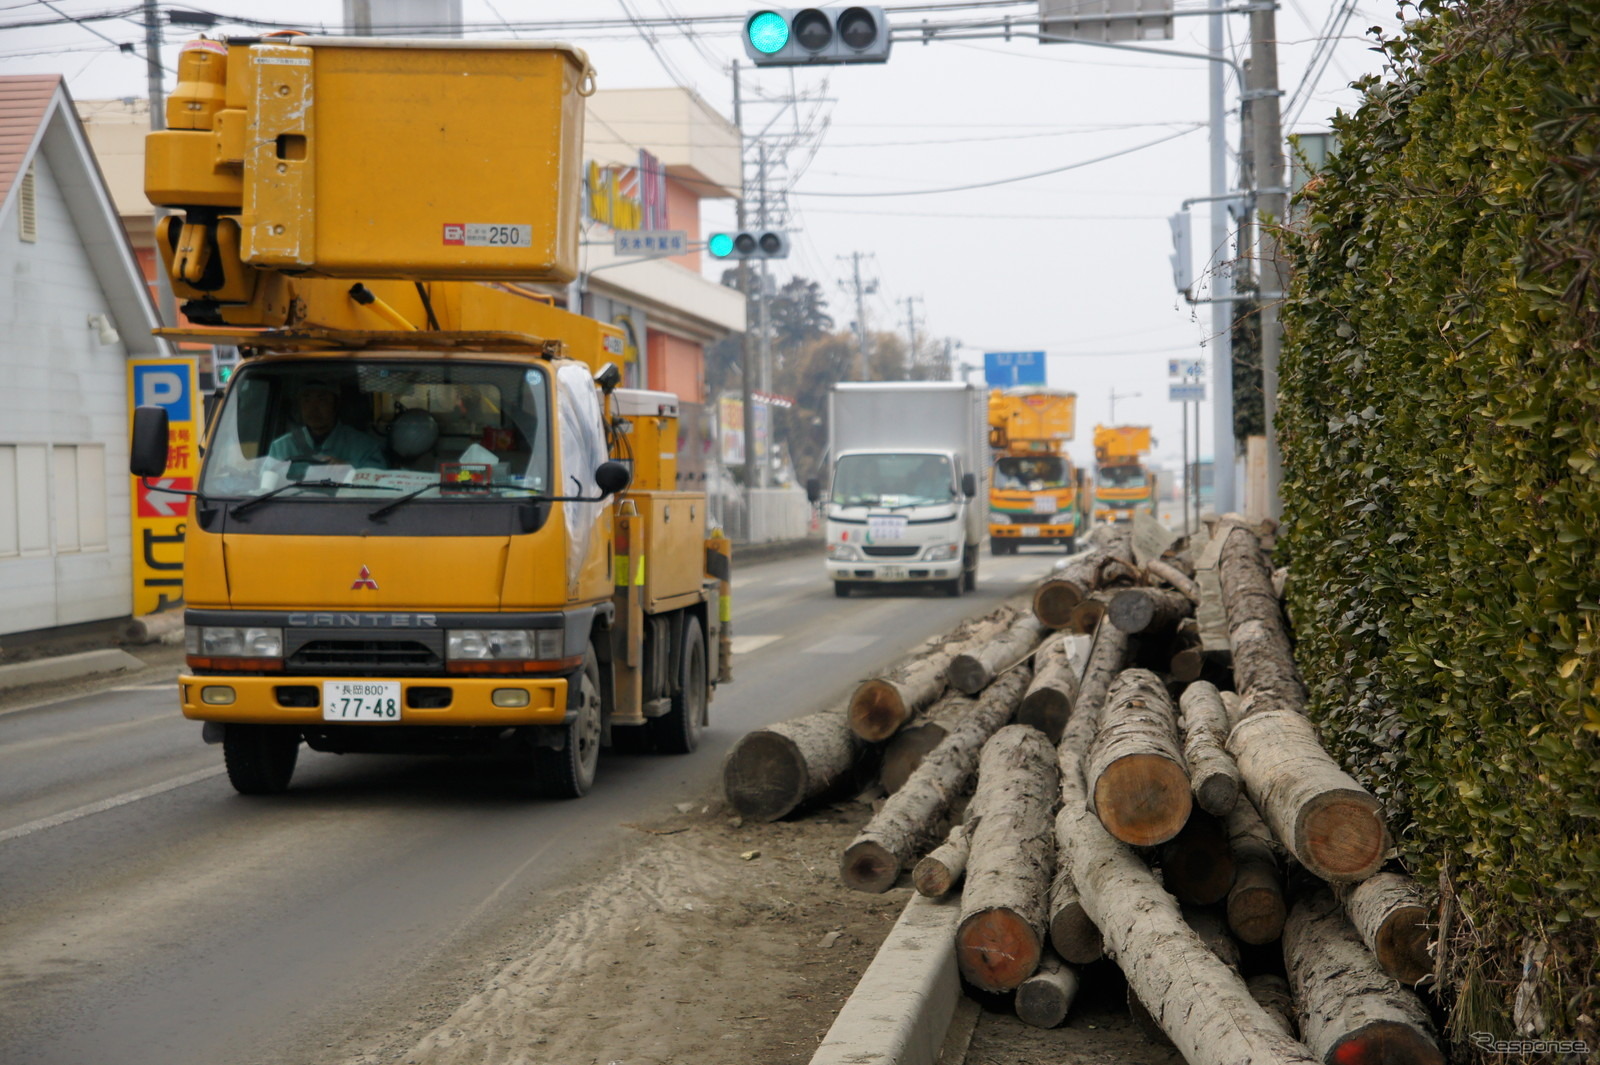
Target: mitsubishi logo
[[365, 581]]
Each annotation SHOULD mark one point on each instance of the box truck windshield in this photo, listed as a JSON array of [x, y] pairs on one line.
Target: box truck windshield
[[893, 480], [320, 430]]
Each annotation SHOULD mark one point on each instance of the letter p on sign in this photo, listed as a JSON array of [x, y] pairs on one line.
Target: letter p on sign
[[159, 386]]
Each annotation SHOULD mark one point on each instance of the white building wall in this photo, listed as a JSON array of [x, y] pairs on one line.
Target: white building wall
[[63, 430]]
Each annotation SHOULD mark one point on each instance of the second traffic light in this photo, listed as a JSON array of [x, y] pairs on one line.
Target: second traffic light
[[794, 36], [749, 244]]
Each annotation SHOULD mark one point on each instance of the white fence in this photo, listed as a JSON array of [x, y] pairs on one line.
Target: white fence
[[774, 514]]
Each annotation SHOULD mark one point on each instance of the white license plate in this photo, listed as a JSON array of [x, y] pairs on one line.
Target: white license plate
[[1030, 530], [361, 700], [891, 573]]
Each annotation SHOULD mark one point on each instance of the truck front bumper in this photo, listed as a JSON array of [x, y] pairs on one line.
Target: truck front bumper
[[896, 572], [1034, 533], [296, 699]]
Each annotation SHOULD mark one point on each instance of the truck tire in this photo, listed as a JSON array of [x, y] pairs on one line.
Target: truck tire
[[678, 730], [842, 589], [260, 758], [999, 547], [569, 773], [969, 573]]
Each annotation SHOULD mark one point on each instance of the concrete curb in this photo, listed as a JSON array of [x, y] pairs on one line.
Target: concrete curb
[[776, 549], [900, 1011], [67, 667]]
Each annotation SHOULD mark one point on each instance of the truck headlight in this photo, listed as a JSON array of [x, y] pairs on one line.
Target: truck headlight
[[842, 552], [217, 641], [942, 552], [1061, 517], [487, 645], [997, 518]]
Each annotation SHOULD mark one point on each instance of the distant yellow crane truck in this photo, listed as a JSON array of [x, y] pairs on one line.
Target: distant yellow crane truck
[[1123, 482], [427, 520], [1035, 495]]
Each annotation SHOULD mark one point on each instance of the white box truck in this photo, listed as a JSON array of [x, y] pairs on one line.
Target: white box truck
[[905, 483]]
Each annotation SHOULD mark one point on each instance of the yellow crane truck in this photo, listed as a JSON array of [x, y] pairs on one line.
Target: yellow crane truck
[[1035, 495], [427, 519], [1123, 483]]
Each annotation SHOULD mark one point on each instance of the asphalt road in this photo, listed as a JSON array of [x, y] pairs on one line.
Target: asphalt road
[[151, 916]]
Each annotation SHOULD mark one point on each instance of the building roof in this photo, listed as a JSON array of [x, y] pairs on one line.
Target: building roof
[[37, 117]]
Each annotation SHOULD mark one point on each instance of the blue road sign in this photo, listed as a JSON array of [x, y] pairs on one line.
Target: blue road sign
[[163, 383], [1002, 368]]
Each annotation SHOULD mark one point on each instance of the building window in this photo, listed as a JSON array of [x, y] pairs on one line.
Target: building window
[[27, 208]]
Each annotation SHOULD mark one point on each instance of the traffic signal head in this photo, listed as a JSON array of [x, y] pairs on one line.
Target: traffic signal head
[[749, 244], [794, 36]]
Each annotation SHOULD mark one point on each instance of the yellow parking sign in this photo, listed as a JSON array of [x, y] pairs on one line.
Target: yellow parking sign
[[160, 519]]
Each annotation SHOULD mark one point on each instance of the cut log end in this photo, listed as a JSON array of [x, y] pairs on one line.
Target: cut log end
[[1075, 936], [1256, 913], [876, 710], [967, 674], [1217, 793], [1053, 602], [1385, 1043], [869, 866], [1341, 837], [1047, 710], [764, 777], [932, 878], [1143, 799], [996, 950], [1403, 944]]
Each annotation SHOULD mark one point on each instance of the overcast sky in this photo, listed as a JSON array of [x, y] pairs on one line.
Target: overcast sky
[[1075, 264]]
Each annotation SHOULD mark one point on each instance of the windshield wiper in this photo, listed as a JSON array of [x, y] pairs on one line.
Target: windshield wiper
[[395, 504], [255, 501]]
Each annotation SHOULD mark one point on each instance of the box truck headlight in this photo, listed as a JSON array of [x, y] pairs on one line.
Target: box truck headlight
[[490, 645], [997, 518], [943, 552], [215, 641], [842, 552]]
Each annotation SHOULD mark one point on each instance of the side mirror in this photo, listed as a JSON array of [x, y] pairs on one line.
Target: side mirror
[[147, 454], [813, 490], [969, 484], [613, 477], [608, 378]]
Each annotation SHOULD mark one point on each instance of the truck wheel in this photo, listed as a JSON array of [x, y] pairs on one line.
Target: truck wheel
[[998, 548], [260, 758], [969, 573], [678, 730], [568, 773], [842, 589], [1070, 543]]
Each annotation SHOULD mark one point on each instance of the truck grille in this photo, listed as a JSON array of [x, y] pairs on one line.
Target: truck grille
[[367, 653], [891, 552]]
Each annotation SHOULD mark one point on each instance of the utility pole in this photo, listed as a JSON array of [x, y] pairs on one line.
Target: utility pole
[[1271, 200], [166, 303], [763, 310], [862, 289], [1115, 397], [1223, 311], [746, 352], [911, 329]]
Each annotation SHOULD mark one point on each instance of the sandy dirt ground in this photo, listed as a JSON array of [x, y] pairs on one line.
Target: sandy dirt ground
[[713, 942]]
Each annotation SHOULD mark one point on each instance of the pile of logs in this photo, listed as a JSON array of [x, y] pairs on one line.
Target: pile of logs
[[1141, 787]]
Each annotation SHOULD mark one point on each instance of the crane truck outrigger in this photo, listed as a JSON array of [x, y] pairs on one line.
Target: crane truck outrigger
[[428, 520], [1035, 496]]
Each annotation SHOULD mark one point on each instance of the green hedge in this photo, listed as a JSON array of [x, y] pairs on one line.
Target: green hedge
[[1440, 425]]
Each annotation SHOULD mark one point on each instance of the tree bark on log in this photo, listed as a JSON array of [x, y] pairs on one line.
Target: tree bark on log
[[1000, 937], [1197, 864], [1256, 909], [1072, 934], [1235, 707], [1262, 658], [1199, 1001], [1188, 661], [1318, 811], [1211, 932], [881, 705], [1136, 610], [1138, 785], [914, 815], [1272, 991], [1213, 775], [1388, 913], [1351, 1012], [975, 667], [906, 749], [1049, 699], [1044, 998], [1070, 583], [941, 869], [1166, 572], [772, 771]]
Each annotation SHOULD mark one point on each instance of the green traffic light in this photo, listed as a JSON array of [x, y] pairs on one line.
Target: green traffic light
[[720, 245], [768, 32]]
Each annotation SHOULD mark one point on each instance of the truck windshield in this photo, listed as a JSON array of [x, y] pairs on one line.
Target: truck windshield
[[373, 429], [1121, 476], [893, 480], [1030, 473]]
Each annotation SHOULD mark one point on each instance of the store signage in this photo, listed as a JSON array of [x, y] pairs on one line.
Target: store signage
[[161, 518]]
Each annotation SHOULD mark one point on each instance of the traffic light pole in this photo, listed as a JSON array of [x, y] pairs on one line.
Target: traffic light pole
[[747, 355]]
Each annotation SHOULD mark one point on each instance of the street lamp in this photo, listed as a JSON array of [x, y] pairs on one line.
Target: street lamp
[[1124, 395]]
